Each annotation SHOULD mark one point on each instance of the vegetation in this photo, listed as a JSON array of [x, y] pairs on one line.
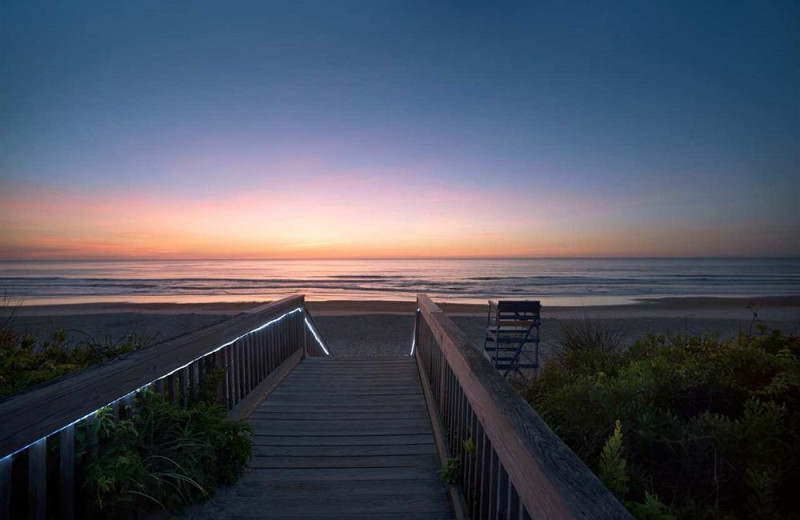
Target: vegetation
[[159, 456], [451, 471], [683, 427], [592, 334], [25, 361], [152, 454]]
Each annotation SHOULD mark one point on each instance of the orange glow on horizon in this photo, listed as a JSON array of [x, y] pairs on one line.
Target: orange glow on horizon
[[365, 219]]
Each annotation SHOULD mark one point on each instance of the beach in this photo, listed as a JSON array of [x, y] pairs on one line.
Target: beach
[[385, 328]]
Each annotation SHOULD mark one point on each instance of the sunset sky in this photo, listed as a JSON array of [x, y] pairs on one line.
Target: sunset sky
[[329, 129]]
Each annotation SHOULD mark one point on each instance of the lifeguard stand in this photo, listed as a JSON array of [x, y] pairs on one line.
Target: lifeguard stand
[[512, 335]]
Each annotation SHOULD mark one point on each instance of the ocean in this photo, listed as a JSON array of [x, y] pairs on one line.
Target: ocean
[[555, 281]]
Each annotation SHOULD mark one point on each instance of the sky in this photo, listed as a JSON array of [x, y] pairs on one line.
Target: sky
[[342, 129]]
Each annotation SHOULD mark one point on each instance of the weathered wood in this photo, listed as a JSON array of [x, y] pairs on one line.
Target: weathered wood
[[551, 480], [316, 506], [455, 494], [354, 488], [251, 402], [347, 451], [502, 494], [339, 474], [37, 480], [360, 400], [66, 440], [338, 440], [236, 370], [185, 386], [338, 407], [35, 414], [317, 429], [5, 487], [230, 376], [349, 387], [367, 461], [218, 360], [330, 514], [299, 415], [345, 378]]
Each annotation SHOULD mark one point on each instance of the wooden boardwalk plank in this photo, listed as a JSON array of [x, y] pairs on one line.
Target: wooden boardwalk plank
[[316, 488], [344, 451], [440, 515], [300, 415], [340, 438], [342, 503], [336, 461], [338, 408], [353, 475]]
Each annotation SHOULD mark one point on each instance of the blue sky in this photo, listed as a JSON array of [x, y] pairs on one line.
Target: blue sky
[[516, 128]]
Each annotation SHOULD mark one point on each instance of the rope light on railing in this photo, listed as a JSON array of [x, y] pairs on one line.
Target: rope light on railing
[[316, 336], [414, 335], [231, 342], [131, 393], [73, 423]]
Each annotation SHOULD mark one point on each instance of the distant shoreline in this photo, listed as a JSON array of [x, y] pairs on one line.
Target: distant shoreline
[[385, 327], [782, 307]]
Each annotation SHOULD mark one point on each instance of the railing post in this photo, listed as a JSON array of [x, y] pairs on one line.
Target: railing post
[[67, 469], [185, 386], [5, 486], [304, 333], [37, 479], [415, 338], [222, 387], [225, 365]]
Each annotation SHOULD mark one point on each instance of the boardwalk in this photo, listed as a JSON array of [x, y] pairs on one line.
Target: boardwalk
[[340, 438]]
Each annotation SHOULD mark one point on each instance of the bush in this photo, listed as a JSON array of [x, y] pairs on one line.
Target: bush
[[710, 427], [161, 455], [26, 362], [590, 334]]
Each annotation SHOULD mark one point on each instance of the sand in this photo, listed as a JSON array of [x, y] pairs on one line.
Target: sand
[[384, 328]]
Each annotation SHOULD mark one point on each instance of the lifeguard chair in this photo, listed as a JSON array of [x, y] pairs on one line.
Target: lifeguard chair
[[512, 335]]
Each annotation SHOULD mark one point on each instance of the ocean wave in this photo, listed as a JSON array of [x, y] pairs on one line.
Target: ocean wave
[[456, 278]]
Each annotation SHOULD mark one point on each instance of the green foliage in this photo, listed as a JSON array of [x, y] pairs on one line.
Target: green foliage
[[469, 446], [651, 509], [590, 334], [612, 464], [159, 455], [451, 471], [25, 362], [709, 425]]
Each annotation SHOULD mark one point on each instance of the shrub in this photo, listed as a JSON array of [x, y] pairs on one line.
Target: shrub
[[26, 362], [612, 464], [161, 455], [710, 427], [590, 334]]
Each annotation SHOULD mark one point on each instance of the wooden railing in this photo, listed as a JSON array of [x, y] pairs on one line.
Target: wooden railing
[[251, 349], [512, 466]]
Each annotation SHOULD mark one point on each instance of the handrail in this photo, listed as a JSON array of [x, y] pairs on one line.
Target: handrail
[[248, 348], [518, 468]]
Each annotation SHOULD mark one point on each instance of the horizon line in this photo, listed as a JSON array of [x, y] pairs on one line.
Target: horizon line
[[393, 258]]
